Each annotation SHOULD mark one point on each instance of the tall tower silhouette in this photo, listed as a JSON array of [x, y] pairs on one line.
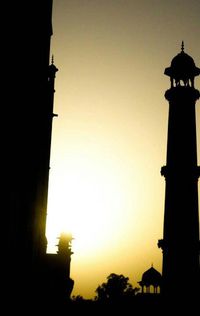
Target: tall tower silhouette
[[29, 112], [180, 243]]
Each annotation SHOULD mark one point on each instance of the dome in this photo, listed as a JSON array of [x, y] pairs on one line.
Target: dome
[[183, 61], [151, 277], [182, 67]]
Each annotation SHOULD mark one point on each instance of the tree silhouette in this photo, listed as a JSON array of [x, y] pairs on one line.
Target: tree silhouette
[[115, 289]]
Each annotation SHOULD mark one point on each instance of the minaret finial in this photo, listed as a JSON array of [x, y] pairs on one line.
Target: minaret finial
[[182, 46], [52, 60]]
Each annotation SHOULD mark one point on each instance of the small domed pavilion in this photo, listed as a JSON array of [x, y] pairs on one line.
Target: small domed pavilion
[[151, 277], [182, 69]]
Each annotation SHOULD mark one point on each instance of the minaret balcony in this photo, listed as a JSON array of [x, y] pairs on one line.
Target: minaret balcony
[[161, 244], [163, 171], [181, 93], [167, 171]]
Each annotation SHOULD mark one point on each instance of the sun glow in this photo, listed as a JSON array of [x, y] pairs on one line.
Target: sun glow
[[88, 199]]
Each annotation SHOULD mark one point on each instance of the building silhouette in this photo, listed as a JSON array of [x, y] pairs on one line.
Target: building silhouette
[[151, 278], [28, 94], [180, 243], [58, 284]]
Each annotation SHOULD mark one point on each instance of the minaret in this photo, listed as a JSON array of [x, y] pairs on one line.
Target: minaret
[[45, 137], [180, 243], [58, 284], [65, 252], [26, 149]]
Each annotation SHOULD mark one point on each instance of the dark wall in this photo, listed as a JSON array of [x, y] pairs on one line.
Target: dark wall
[[26, 139]]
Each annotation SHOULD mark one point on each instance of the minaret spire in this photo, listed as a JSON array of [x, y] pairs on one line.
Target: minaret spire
[[182, 47]]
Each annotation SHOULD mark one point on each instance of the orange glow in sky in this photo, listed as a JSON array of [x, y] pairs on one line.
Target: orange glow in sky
[[110, 137]]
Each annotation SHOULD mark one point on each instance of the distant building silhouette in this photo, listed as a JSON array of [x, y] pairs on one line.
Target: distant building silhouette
[[58, 283], [180, 243], [151, 278], [28, 86]]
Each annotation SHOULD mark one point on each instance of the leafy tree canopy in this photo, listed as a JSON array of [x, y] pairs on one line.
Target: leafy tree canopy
[[117, 287]]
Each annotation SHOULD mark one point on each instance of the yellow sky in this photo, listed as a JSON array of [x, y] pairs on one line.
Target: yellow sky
[[109, 140]]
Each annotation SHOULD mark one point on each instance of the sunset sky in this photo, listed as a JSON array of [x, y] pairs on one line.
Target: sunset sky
[[109, 139]]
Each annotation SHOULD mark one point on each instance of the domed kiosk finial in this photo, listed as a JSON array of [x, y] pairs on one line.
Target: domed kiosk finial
[[52, 68], [182, 70]]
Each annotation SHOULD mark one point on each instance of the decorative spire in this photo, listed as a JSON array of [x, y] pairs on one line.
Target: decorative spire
[[52, 60], [52, 68], [182, 47]]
